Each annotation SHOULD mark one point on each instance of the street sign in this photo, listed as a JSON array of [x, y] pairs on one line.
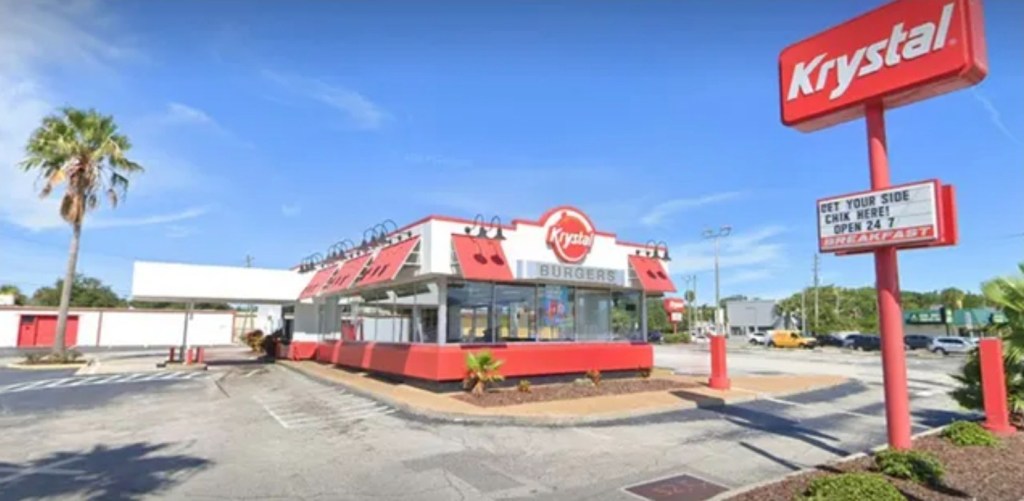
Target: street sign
[[675, 317], [896, 216]]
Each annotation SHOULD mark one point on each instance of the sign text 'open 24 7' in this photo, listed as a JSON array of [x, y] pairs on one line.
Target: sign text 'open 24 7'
[[910, 215]]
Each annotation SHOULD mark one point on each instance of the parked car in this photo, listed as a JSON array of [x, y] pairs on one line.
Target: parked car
[[831, 340], [758, 338], [790, 339], [866, 342], [947, 345], [917, 341]]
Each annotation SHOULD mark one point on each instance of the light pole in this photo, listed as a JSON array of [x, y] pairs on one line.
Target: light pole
[[691, 279], [721, 233]]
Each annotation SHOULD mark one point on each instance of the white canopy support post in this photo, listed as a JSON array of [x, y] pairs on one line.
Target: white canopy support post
[[184, 333]]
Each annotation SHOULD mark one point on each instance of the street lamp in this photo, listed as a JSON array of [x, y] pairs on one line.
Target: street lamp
[[721, 233]]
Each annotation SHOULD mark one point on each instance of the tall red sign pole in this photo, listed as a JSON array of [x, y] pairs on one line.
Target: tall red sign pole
[[900, 53], [890, 315]]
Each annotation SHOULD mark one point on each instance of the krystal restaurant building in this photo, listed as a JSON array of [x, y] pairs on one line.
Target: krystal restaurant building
[[552, 296]]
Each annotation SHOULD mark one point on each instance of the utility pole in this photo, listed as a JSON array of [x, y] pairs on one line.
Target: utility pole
[[721, 233], [691, 285], [803, 312], [251, 318], [817, 268]]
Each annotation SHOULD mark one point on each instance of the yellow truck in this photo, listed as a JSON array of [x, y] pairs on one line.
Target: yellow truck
[[790, 339]]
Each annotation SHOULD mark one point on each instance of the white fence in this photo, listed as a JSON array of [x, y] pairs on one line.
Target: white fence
[[121, 327]]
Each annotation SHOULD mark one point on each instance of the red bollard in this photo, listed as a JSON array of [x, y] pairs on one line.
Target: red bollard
[[170, 357], [188, 356], [719, 379], [993, 384], [200, 355]]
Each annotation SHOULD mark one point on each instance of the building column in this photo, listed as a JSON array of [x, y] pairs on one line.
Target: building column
[[643, 315], [442, 311]]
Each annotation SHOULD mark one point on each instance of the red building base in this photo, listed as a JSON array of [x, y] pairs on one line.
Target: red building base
[[448, 363]]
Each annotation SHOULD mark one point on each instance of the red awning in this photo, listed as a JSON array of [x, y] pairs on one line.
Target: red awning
[[481, 258], [346, 275], [651, 274], [317, 282], [388, 262]]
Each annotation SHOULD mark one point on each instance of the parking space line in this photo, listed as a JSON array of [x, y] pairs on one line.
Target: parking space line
[[812, 406], [24, 386]]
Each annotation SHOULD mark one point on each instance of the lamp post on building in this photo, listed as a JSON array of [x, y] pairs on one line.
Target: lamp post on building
[[717, 235]]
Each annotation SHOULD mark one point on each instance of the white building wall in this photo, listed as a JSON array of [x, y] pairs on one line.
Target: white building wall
[[114, 327], [305, 326]]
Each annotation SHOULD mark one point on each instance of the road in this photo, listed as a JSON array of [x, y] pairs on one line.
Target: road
[[253, 431]]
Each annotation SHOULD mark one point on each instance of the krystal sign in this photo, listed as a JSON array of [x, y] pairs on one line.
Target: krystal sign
[[901, 53], [569, 233], [909, 215]]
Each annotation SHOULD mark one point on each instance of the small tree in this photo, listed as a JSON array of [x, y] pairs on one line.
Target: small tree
[[1007, 293], [82, 150], [482, 370], [19, 298]]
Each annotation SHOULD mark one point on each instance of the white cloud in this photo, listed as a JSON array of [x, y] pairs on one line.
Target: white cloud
[[994, 115], [291, 210], [660, 212], [178, 113], [744, 276], [361, 111], [176, 231], [121, 222], [757, 248], [36, 35]]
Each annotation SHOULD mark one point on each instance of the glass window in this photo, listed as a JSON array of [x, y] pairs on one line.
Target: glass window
[[626, 315], [470, 318], [557, 313], [516, 307], [593, 314]]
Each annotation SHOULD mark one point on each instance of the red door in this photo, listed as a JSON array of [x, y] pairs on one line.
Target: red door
[[40, 331]]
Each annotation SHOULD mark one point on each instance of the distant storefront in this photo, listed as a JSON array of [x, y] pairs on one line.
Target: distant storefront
[[749, 316], [943, 321]]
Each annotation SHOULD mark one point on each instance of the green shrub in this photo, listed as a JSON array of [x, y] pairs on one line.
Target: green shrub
[[969, 433], [679, 337], [918, 466], [594, 376], [523, 386], [644, 372], [68, 357], [852, 487]]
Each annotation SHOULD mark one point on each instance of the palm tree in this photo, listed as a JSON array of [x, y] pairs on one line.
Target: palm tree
[[83, 150], [482, 370]]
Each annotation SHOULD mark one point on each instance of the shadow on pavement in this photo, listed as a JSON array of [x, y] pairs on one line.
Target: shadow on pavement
[[771, 457], [126, 472], [748, 416]]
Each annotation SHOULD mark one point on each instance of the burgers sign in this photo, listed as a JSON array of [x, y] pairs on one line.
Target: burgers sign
[[570, 234]]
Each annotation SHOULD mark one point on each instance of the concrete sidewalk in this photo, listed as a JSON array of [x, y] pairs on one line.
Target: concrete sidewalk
[[566, 412]]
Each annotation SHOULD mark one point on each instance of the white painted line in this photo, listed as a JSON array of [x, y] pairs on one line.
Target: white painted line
[[250, 373], [108, 379], [192, 375], [344, 400], [79, 382], [593, 434], [133, 377], [14, 388], [810, 406], [925, 393], [276, 418], [350, 408], [52, 467], [377, 411], [56, 382]]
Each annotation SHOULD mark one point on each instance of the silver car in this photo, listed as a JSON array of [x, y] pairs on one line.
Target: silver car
[[947, 345]]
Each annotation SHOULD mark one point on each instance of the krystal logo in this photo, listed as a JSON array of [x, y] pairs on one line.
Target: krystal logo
[[570, 234], [897, 54]]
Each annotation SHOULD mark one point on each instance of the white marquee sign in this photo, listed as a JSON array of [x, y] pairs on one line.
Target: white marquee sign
[[900, 215]]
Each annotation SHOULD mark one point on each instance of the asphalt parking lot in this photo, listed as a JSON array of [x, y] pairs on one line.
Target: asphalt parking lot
[[252, 431]]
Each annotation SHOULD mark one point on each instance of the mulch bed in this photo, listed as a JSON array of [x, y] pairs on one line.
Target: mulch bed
[[569, 391], [982, 473]]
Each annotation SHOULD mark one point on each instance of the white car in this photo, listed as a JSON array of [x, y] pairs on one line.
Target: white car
[[698, 337], [947, 345], [758, 338]]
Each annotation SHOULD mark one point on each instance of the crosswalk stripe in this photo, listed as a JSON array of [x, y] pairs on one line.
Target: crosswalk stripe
[[56, 382], [108, 379]]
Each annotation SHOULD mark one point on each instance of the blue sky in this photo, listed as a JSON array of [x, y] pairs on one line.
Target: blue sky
[[276, 128]]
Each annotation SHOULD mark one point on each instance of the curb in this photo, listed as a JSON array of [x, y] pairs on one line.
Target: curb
[[537, 421], [747, 488], [47, 367]]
